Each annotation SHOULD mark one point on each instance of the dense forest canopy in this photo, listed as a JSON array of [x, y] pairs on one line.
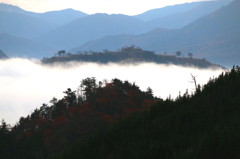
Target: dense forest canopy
[[117, 120], [93, 106]]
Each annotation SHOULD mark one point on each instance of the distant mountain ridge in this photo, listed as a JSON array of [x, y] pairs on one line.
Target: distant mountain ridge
[[215, 37], [61, 17], [93, 27], [20, 47], [195, 10], [166, 11], [19, 29], [23, 25], [2, 54], [58, 18], [66, 29], [96, 26], [14, 9]]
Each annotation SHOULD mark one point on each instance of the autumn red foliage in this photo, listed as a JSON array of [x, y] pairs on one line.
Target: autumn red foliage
[[72, 118]]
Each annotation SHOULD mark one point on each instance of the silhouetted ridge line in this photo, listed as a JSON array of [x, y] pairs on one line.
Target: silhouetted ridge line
[[117, 119], [130, 55]]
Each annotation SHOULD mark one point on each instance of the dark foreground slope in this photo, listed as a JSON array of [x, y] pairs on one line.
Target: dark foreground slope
[[117, 120], [54, 127], [205, 125]]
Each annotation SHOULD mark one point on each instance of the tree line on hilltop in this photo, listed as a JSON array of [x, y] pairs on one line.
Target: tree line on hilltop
[[131, 54], [117, 120]]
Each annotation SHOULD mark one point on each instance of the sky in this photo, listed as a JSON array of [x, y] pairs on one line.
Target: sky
[[26, 85], [128, 7]]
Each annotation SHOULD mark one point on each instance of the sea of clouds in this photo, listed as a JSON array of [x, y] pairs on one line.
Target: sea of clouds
[[27, 84]]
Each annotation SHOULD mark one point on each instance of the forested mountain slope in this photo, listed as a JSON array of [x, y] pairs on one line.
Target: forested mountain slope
[[117, 120], [204, 125]]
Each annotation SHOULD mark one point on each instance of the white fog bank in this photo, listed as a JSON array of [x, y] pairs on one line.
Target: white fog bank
[[26, 85]]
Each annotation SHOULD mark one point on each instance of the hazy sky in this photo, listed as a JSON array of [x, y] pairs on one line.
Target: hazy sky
[[25, 85], [129, 7]]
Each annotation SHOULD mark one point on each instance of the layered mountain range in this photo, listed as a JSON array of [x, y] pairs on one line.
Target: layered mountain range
[[214, 36], [208, 29]]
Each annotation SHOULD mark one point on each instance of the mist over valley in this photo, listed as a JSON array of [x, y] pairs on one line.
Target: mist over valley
[[26, 85], [163, 83]]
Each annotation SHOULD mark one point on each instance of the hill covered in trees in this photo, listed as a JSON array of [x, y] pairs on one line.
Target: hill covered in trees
[[204, 125], [130, 55], [51, 128], [117, 120]]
